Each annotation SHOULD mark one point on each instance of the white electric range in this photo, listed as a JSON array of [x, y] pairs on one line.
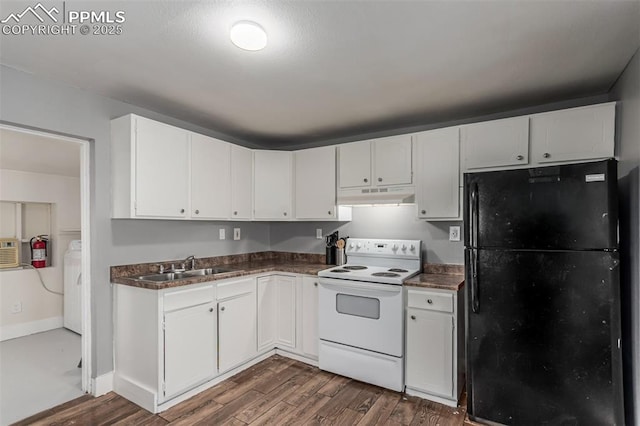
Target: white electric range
[[361, 308]]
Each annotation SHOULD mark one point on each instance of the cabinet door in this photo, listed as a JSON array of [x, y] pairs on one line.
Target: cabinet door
[[286, 311], [392, 161], [438, 182], [266, 313], [430, 352], [354, 164], [310, 316], [272, 184], [495, 143], [315, 188], [189, 347], [236, 331], [573, 134], [210, 178], [162, 170], [241, 182]]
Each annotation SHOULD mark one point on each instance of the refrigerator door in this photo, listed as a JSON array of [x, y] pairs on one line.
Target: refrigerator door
[[543, 342], [564, 207]]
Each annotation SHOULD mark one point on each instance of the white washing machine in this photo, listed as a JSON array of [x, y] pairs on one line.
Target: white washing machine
[[72, 287]]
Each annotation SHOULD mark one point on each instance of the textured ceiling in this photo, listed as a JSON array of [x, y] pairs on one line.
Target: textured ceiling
[[339, 68]]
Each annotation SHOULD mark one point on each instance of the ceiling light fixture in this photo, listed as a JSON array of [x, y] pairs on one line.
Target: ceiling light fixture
[[248, 35]]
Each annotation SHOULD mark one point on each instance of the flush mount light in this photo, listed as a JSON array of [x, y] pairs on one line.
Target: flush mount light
[[248, 35]]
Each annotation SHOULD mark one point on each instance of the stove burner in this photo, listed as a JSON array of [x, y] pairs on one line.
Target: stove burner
[[397, 270], [385, 274], [339, 270], [354, 267]]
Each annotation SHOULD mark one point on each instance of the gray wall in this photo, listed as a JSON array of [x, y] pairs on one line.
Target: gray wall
[[627, 92], [374, 222], [34, 102]]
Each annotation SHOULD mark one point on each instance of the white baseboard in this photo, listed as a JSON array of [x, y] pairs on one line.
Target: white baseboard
[[26, 328], [102, 384]]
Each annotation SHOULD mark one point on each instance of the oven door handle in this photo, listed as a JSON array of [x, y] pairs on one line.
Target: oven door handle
[[341, 285]]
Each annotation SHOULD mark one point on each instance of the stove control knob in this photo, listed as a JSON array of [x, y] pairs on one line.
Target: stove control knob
[[412, 248], [394, 247], [404, 247], [359, 245], [351, 245]]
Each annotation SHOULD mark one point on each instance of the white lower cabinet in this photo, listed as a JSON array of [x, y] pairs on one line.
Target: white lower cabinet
[[276, 312], [309, 316], [237, 324], [434, 345]]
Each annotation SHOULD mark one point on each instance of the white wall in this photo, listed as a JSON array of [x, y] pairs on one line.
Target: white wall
[[23, 286], [30, 101], [627, 92], [373, 222]]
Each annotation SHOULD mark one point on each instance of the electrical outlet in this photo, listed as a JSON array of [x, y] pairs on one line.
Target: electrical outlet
[[319, 233], [16, 308], [454, 233], [236, 233], [222, 234]]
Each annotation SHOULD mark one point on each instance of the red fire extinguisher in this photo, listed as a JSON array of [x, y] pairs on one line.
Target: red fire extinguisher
[[39, 251]]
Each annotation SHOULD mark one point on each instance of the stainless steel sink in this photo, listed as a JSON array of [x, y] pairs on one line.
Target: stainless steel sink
[[172, 276], [208, 271]]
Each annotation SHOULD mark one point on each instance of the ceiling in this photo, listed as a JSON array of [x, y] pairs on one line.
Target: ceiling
[[29, 152], [339, 68]]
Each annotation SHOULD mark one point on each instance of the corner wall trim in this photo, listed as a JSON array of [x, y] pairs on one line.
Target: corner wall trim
[[102, 384], [26, 328]]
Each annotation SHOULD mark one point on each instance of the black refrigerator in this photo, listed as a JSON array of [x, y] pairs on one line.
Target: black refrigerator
[[543, 297]]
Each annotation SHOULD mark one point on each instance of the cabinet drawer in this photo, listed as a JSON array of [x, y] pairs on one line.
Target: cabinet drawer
[[430, 300], [236, 288], [191, 297]]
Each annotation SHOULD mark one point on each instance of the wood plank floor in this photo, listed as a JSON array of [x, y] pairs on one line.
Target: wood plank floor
[[277, 391]]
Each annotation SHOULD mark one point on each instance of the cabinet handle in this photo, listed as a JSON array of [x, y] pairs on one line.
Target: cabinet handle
[[366, 180], [235, 213], [222, 308], [429, 301], [181, 210], [520, 158], [197, 211], [546, 155], [413, 317], [315, 284], [329, 212], [423, 211], [210, 309], [379, 179], [285, 213]]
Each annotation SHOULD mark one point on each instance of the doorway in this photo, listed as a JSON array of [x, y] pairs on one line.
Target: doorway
[[44, 165]]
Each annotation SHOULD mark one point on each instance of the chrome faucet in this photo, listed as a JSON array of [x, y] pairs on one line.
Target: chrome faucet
[[191, 259]]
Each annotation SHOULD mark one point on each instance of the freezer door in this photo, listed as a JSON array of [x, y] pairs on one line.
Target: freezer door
[[543, 342], [565, 207]]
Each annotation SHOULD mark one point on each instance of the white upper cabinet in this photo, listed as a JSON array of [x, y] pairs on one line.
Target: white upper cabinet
[[378, 162], [315, 183], [210, 178], [272, 185], [495, 143], [438, 175], [241, 182], [392, 160], [355, 164], [573, 134]]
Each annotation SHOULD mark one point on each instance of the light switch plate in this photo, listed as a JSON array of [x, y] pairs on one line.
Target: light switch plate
[[319, 233], [236, 233], [454, 233], [222, 234]]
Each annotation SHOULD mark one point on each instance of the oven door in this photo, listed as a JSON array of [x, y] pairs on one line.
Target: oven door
[[362, 314]]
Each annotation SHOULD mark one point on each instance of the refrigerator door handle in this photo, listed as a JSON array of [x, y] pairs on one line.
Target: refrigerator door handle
[[474, 216], [475, 301]]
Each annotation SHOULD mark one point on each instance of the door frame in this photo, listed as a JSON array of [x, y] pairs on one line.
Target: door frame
[[85, 236]]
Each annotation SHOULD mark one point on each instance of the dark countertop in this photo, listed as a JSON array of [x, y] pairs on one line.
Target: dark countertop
[[240, 270], [453, 282]]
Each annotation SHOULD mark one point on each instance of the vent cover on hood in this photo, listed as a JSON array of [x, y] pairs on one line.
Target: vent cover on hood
[[384, 195]]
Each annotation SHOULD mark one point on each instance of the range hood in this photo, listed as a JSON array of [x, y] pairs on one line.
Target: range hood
[[384, 195]]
